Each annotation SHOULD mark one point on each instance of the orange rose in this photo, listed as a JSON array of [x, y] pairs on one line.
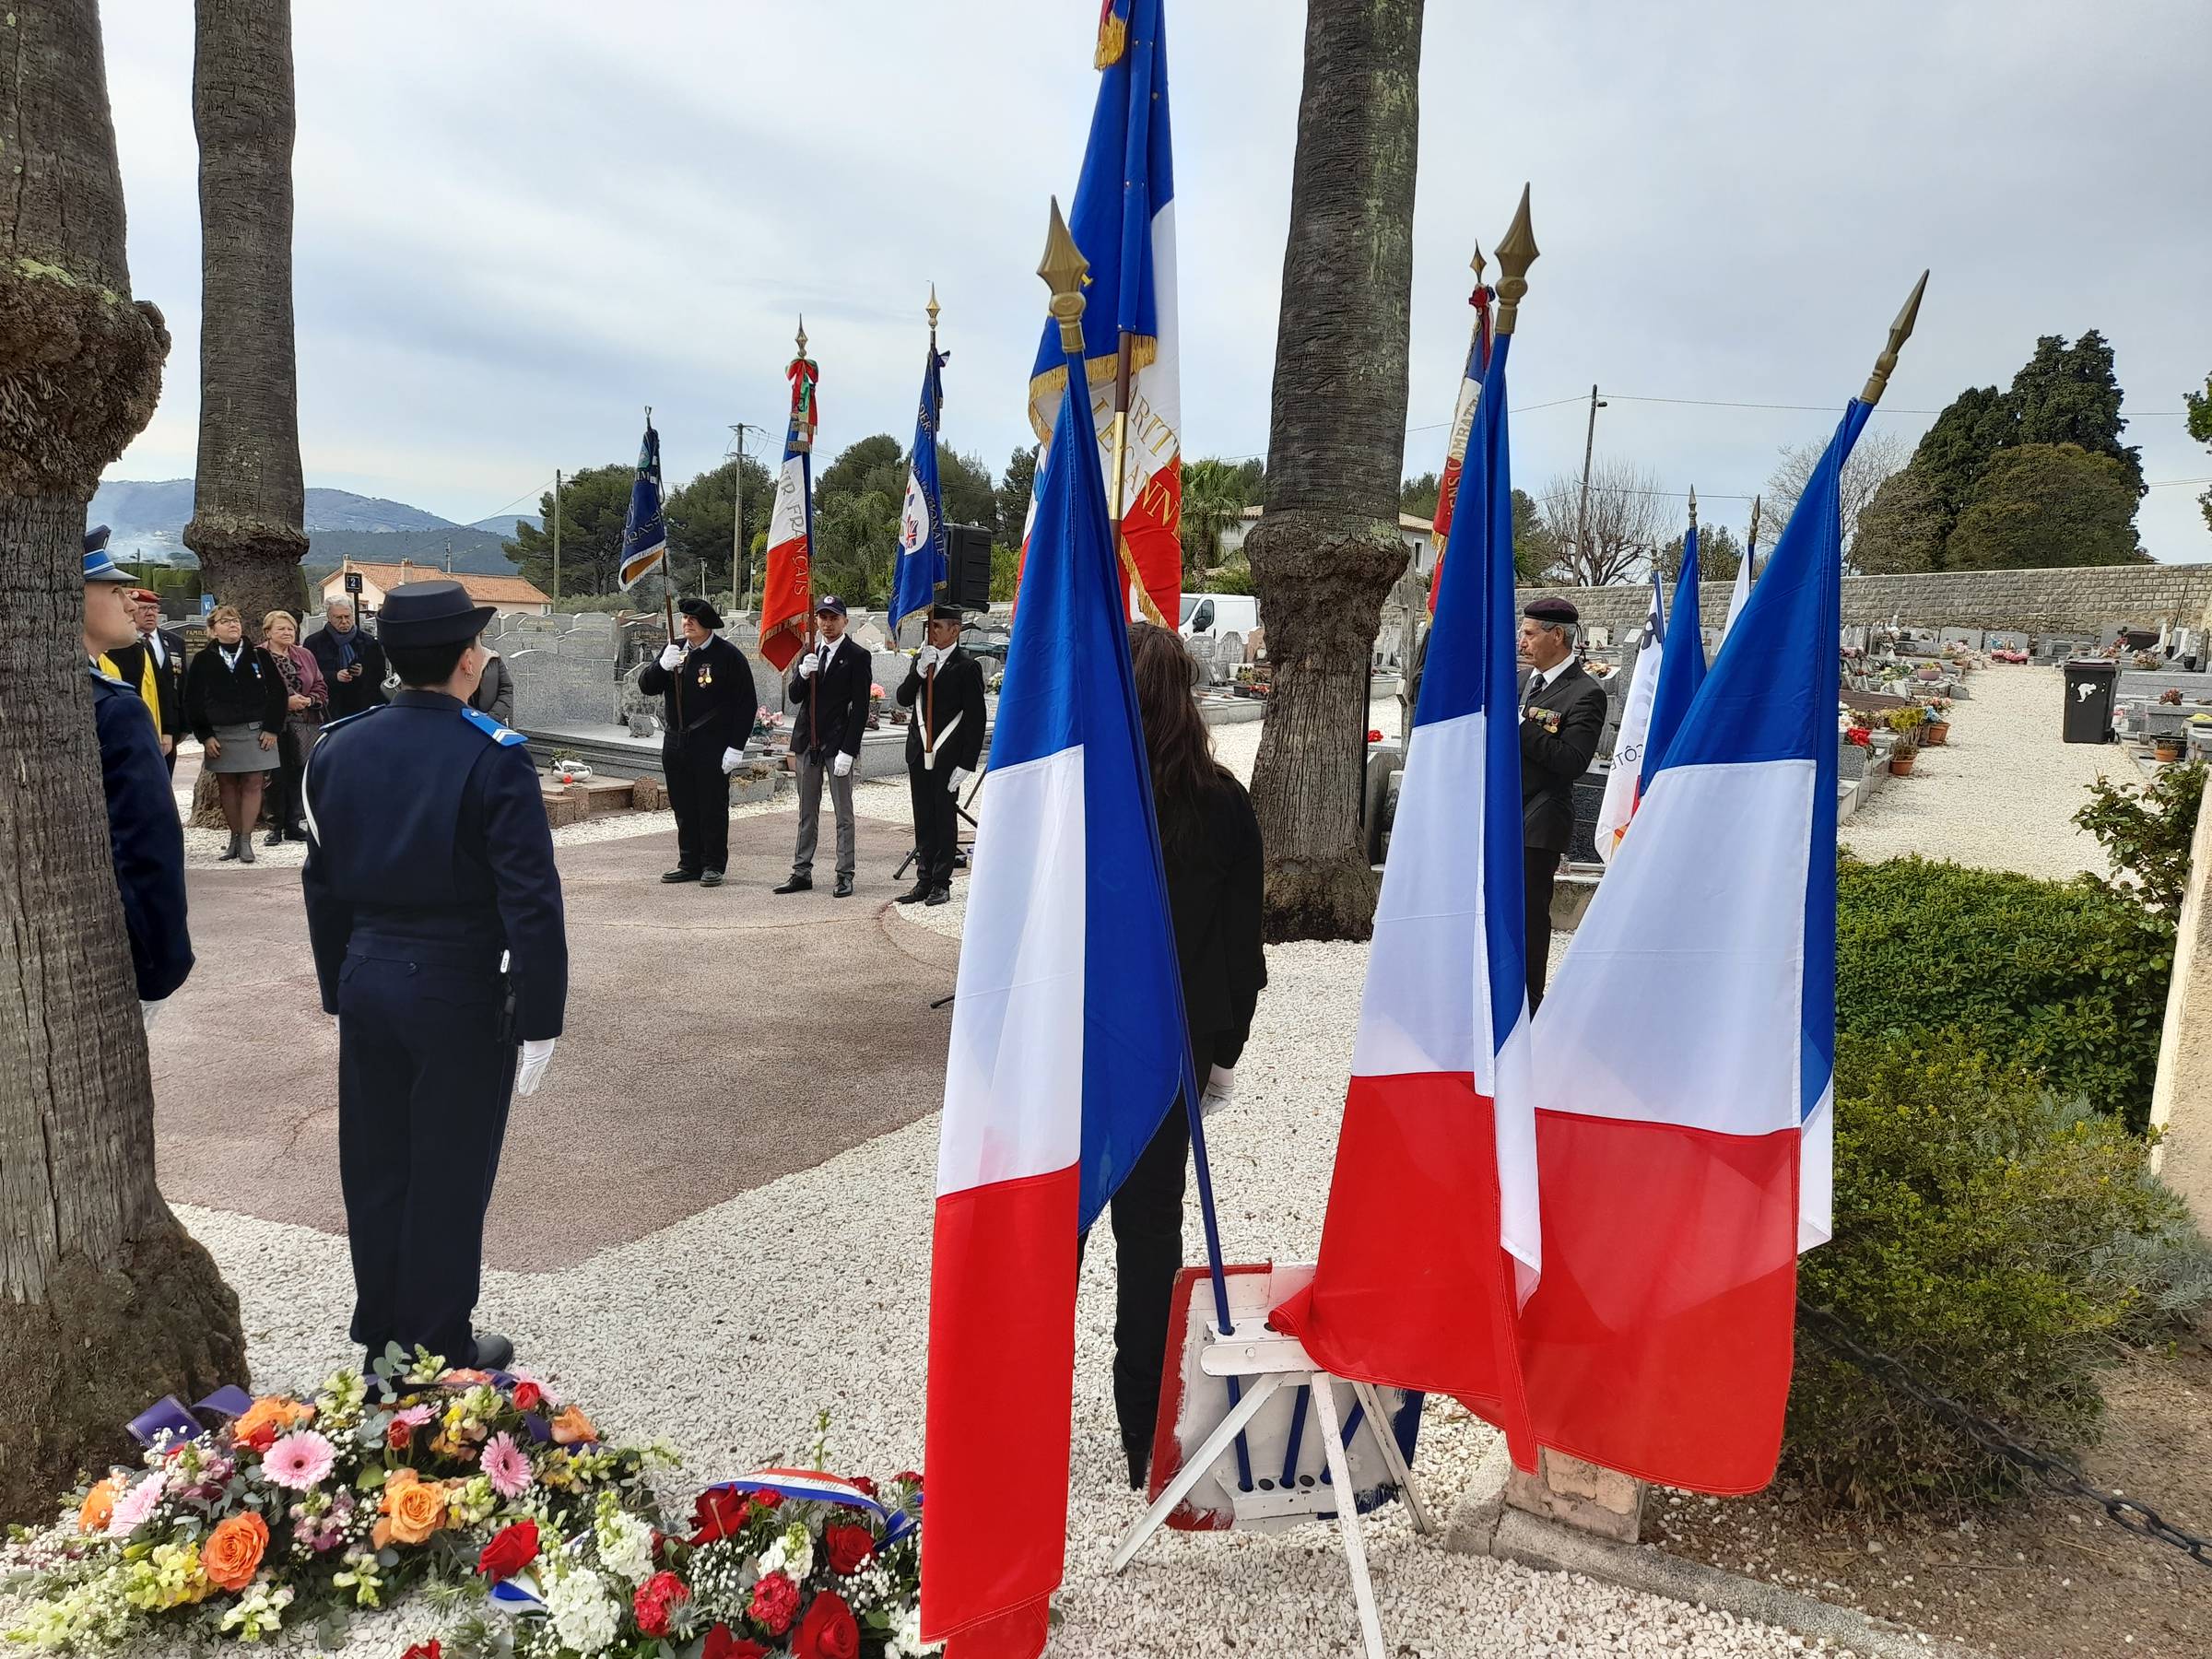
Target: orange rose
[[99, 1507], [573, 1426], [269, 1417], [233, 1553], [417, 1509]]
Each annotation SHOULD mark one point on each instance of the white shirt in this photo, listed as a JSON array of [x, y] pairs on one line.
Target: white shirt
[[824, 652], [152, 641], [1543, 677]]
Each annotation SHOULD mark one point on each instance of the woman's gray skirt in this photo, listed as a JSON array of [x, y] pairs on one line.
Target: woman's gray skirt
[[242, 751]]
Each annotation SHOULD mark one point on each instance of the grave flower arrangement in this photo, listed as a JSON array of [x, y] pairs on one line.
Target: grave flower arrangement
[[298, 1508]]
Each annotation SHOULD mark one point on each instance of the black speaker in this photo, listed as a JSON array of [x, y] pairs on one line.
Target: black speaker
[[967, 566]]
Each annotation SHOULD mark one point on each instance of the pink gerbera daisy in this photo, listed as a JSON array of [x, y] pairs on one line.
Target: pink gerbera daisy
[[507, 1465], [132, 1508], [298, 1461]]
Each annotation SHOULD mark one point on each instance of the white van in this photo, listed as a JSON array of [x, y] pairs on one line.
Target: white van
[[1229, 621]]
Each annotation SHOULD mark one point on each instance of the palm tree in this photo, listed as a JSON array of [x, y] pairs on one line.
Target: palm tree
[[106, 1303], [1328, 550], [249, 501], [1213, 498]]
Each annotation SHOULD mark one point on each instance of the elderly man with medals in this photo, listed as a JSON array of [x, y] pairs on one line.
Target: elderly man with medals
[[708, 709], [943, 740]]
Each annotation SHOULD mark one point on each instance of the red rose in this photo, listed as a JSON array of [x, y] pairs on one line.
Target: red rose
[[511, 1549], [259, 1437], [828, 1630], [909, 1477], [400, 1435], [721, 1644], [850, 1548], [863, 1483], [775, 1603], [422, 1650], [529, 1396], [719, 1514], [768, 1500], [656, 1598]]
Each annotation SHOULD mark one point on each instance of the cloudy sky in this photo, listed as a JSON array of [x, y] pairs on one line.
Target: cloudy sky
[[520, 220]]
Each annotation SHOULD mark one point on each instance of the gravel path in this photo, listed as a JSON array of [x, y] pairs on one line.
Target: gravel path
[[2002, 792]]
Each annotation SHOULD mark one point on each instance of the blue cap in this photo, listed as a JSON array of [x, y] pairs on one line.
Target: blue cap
[[99, 565], [831, 603]]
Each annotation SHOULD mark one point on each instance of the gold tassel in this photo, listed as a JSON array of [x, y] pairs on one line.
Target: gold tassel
[[1114, 40]]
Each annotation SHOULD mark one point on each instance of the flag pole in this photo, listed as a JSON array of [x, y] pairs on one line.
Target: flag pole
[[676, 682], [803, 434]]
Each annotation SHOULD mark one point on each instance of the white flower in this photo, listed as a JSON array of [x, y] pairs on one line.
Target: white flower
[[584, 1616], [906, 1637], [792, 1554], [624, 1547]]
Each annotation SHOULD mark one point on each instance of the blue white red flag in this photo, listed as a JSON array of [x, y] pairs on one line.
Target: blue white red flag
[[1067, 1048], [1624, 781], [1123, 220], [787, 580], [1431, 1235], [1455, 448], [1684, 1058], [1683, 671], [644, 533], [921, 563]]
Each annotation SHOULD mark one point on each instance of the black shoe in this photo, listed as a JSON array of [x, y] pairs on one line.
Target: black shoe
[[273, 839], [298, 832], [1140, 1462], [844, 887], [913, 895], [939, 896], [679, 875], [709, 878], [231, 851], [494, 1352], [796, 883]]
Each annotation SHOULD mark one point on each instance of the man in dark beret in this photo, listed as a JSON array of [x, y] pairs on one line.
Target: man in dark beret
[[1562, 716], [708, 707]]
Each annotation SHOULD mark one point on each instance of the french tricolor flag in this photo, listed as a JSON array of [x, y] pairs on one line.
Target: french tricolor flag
[[1067, 1050], [1684, 1054], [1432, 1234]]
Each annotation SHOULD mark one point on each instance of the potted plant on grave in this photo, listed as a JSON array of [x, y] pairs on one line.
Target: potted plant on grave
[[875, 707], [1937, 730], [1905, 724]]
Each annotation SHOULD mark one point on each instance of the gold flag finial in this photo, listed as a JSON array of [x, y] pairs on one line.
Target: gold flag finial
[[1899, 332], [1516, 253], [1751, 541], [1693, 506], [932, 310], [1479, 265], [802, 334], [1065, 271]]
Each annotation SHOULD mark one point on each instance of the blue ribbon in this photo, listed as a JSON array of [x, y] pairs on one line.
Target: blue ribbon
[[168, 1416]]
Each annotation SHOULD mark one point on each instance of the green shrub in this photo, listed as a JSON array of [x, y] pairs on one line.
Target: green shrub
[[2147, 832], [2000, 1242], [2067, 979]]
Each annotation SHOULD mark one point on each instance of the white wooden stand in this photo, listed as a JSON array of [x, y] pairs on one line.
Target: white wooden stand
[[1263, 1364]]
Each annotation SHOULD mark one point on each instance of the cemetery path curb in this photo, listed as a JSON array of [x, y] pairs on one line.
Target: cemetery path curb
[[1481, 1523]]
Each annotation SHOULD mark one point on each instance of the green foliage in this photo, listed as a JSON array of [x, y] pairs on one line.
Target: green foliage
[[1235, 577], [1005, 571], [1999, 1242], [2200, 428], [702, 520], [1013, 498], [1535, 543], [1214, 499], [2070, 395], [1720, 554], [1903, 526], [971, 493], [2146, 833], [2066, 979], [595, 504], [1419, 495], [2047, 505]]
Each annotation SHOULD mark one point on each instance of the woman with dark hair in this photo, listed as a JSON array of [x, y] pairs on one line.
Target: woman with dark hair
[[1209, 838], [234, 701], [707, 706]]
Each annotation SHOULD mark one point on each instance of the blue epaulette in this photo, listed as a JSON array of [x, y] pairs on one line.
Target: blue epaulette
[[357, 715], [491, 728], [101, 677]]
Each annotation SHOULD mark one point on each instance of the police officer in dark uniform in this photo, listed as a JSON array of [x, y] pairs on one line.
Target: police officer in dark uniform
[[1563, 717], [145, 837], [435, 913], [943, 740], [708, 709]]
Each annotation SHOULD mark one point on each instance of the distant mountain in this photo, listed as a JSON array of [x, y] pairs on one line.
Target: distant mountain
[[147, 522], [503, 525], [475, 551]]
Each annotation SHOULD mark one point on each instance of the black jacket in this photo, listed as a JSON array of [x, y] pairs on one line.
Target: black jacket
[[957, 708], [1560, 724], [169, 680], [1214, 882], [145, 838], [719, 703], [839, 693], [364, 692], [219, 695]]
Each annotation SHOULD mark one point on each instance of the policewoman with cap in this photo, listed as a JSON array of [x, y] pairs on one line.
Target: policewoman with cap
[[829, 689], [708, 707], [1562, 716], [435, 913], [944, 741]]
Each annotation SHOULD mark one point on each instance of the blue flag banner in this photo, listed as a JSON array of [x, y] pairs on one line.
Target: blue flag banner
[[1682, 669], [644, 533], [921, 564]]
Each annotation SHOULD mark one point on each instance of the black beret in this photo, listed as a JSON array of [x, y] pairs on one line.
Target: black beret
[[700, 612], [1552, 612], [946, 613]]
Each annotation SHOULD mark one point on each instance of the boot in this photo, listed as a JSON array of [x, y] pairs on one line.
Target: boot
[[231, 851], [246, 849]]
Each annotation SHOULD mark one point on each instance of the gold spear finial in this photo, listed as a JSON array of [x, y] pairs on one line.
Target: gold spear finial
[[932, 313], [1751, 541], [1899, 332], [1479, 265], [1065, 271], [1516, 253], [802, 334], [1693, 506]]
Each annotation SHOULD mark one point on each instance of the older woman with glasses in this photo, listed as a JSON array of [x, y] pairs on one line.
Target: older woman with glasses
[[234, 701], [306, 706]]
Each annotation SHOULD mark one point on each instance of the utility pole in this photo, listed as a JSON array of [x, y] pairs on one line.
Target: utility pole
[[557, 535], [1582, 523], [741, 552]]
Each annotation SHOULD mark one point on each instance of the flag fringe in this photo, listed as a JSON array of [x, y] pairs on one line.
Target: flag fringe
[[1045, 389], [1114, 40]]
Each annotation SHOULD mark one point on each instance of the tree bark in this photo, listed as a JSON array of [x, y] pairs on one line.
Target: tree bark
[[1327, 549], [248, 503], [105, 1302]]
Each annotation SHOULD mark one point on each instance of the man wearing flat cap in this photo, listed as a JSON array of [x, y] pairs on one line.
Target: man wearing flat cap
[[943, 740], [829, 689], [708, 707], [435, 914], [1562, 716]]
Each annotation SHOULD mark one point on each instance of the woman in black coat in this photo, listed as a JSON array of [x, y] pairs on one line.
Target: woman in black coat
[[235, 702], [707, 710], [1210, 840]]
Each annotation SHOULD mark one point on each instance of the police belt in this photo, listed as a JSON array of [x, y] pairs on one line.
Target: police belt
[[377, 947]]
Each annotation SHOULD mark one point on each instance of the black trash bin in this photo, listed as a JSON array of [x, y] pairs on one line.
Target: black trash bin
[[2090, 686]]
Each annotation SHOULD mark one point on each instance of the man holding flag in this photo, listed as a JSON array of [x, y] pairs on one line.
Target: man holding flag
[[786, 588], [921, 561]]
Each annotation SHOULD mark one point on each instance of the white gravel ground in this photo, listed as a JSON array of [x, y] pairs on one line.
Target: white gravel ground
[[2002, 792]]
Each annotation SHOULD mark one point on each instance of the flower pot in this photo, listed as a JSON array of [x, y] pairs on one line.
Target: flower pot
[[2167, 751], [1901, 762], [1937, 735]]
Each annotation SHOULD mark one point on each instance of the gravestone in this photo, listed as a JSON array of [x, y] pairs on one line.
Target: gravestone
[[1995, 639], [1969, 637], [1851, 761]]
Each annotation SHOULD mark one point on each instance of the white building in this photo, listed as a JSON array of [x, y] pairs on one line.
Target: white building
[[510, 595], [1415, 532]]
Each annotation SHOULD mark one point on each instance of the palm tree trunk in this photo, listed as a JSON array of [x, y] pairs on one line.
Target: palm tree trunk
[[1327, 548], [105, 1302], [248, 503]]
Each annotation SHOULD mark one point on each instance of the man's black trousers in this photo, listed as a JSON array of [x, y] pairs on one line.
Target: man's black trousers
[[424, 1082], [699, 793], [1543, 870], [936, 824]]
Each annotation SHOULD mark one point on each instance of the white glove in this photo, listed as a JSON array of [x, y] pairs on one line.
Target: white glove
[[1220, 1088], [731, 761], [927, 658], [537, 1053], [808, 664], [336, 1029], [959, 775], [150, 1011], [845, 764], [671, 655]]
